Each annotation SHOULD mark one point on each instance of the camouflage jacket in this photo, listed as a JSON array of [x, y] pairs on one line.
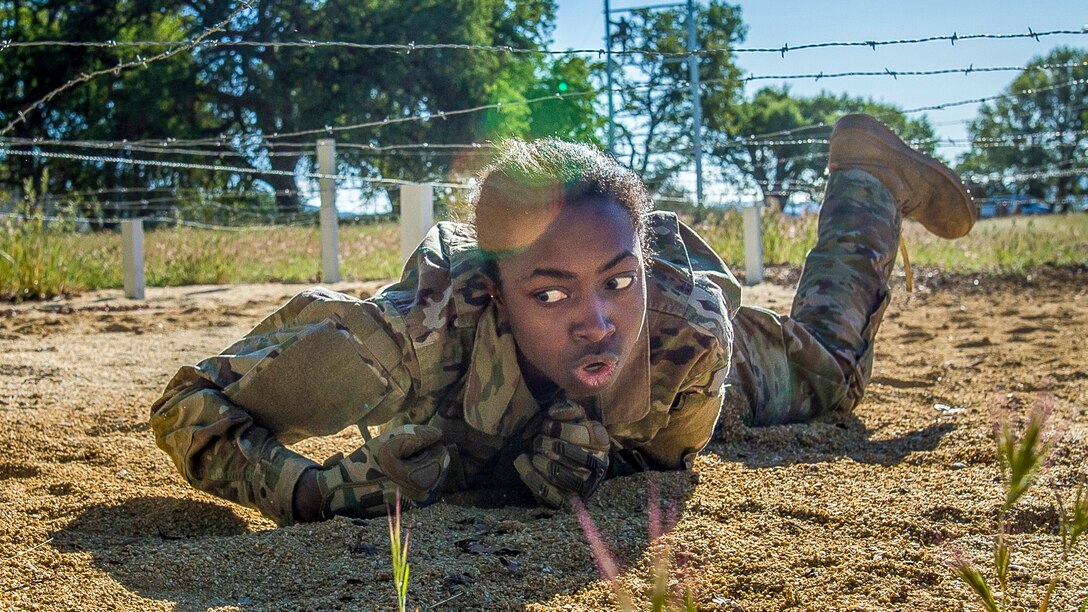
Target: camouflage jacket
[[431, 349]]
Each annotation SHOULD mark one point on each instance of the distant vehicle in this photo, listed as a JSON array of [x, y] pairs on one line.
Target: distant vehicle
[[1001, 206], [1035, 208], [799, 209]]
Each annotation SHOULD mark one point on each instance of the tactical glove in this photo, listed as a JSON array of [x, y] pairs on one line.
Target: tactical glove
[[364, 484], [569, 458]]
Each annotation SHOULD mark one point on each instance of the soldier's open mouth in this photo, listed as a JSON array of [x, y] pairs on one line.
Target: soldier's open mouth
[[596, 372]]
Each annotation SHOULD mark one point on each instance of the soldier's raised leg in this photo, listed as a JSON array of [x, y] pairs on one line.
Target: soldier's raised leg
[[820, 357]]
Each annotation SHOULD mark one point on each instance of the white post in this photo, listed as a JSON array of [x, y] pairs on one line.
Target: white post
[[416, 216], [330, 241], [753, 245], [132, 257]]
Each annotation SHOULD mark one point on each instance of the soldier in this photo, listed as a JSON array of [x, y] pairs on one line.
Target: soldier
[[567, 335]]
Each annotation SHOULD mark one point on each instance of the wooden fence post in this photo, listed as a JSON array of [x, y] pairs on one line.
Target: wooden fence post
[[330, 241], [416, 216], [132, 257], [753, 245]]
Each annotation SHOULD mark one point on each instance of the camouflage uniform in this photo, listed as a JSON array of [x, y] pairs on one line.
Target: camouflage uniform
[[433, 349]]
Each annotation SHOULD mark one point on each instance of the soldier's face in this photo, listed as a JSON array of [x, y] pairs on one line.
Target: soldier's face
[[576, 299]]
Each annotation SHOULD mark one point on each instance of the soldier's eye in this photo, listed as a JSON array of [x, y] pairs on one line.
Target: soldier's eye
[[620, 282], [550, 296]]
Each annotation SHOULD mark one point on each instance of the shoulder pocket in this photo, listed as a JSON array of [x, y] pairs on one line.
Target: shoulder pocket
[[315, 383]]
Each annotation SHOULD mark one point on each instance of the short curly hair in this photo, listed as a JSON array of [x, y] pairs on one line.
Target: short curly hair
[[553, 172]]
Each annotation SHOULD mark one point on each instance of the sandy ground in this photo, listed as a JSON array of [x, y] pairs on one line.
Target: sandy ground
[[856, 512]]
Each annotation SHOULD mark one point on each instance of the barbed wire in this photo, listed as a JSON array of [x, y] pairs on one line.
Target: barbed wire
[[233, 169], [410, 47], [183, 190], [90, 144], [895, 74], [1016, 139], [223, 140], [995, 177], [84, 77], [1022, 92], [158, 219]]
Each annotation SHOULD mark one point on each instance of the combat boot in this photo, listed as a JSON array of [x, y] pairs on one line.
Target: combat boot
[[924, 189]]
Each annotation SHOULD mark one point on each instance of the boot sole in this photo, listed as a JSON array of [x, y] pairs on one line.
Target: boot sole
[[886, 137]]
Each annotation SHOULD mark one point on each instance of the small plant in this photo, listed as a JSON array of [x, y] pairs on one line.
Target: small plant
[[607, 567], [1021, 453], [399, 551]]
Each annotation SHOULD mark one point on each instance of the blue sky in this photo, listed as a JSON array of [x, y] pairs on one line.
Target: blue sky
[[580, 24]]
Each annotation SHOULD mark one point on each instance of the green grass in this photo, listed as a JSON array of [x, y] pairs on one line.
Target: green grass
[[186, 256], [39, 260], [1008, 245], [1011, 244]]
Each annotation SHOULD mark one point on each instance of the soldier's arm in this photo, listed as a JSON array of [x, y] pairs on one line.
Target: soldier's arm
[[309, 369], [691, 421]]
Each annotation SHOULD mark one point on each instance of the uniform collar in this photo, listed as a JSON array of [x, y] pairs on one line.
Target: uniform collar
[[498, 402]]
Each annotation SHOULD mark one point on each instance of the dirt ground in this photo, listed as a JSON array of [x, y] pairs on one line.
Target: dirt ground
[[855, 512]]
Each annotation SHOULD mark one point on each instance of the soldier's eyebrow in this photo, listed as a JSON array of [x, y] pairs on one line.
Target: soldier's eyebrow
[[615, 261], [561, 274]]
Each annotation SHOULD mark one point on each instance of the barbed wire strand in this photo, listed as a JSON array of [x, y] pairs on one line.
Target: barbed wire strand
[[84, 77], [161, 145], [234, 169], [411, 47], [330, 130]]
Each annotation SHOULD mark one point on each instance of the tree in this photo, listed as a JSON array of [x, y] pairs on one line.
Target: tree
[[249, 102], [1038, 127], [777, 141], [655, 95], [127, 105]]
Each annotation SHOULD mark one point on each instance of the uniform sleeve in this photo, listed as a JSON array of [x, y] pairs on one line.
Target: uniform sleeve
[[323, 362], [691, 422]]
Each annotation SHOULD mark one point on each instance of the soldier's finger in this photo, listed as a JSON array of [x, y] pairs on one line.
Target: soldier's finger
[[407, 440], [570, 454], [541, 489], [422, 473], [566, 410], [587, 434], [569, 481]]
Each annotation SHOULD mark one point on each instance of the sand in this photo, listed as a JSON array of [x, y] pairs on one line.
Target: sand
[[854, 512]]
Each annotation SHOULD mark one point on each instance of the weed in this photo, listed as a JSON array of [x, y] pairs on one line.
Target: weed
[[399, 551], [1021, 452]]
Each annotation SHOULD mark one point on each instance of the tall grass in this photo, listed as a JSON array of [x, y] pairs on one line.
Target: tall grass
[[34, 264]]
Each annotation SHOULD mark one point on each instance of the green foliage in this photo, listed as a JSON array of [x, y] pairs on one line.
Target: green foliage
[[1039, 101], [250, 94], [1011, 244], [660, 96], [1074, 520], [783, 163], [568, 116], [1020, 455], [786, 240], [973, 578]]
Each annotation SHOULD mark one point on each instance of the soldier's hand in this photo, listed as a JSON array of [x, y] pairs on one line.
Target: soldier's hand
[[364, 483], [569, 457]]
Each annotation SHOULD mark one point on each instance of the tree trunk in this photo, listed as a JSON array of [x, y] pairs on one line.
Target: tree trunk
[[288, 201]]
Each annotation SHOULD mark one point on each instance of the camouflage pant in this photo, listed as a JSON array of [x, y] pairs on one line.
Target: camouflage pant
[[820, 357]]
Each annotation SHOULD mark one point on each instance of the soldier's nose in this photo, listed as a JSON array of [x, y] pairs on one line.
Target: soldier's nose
[[595, 324]]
